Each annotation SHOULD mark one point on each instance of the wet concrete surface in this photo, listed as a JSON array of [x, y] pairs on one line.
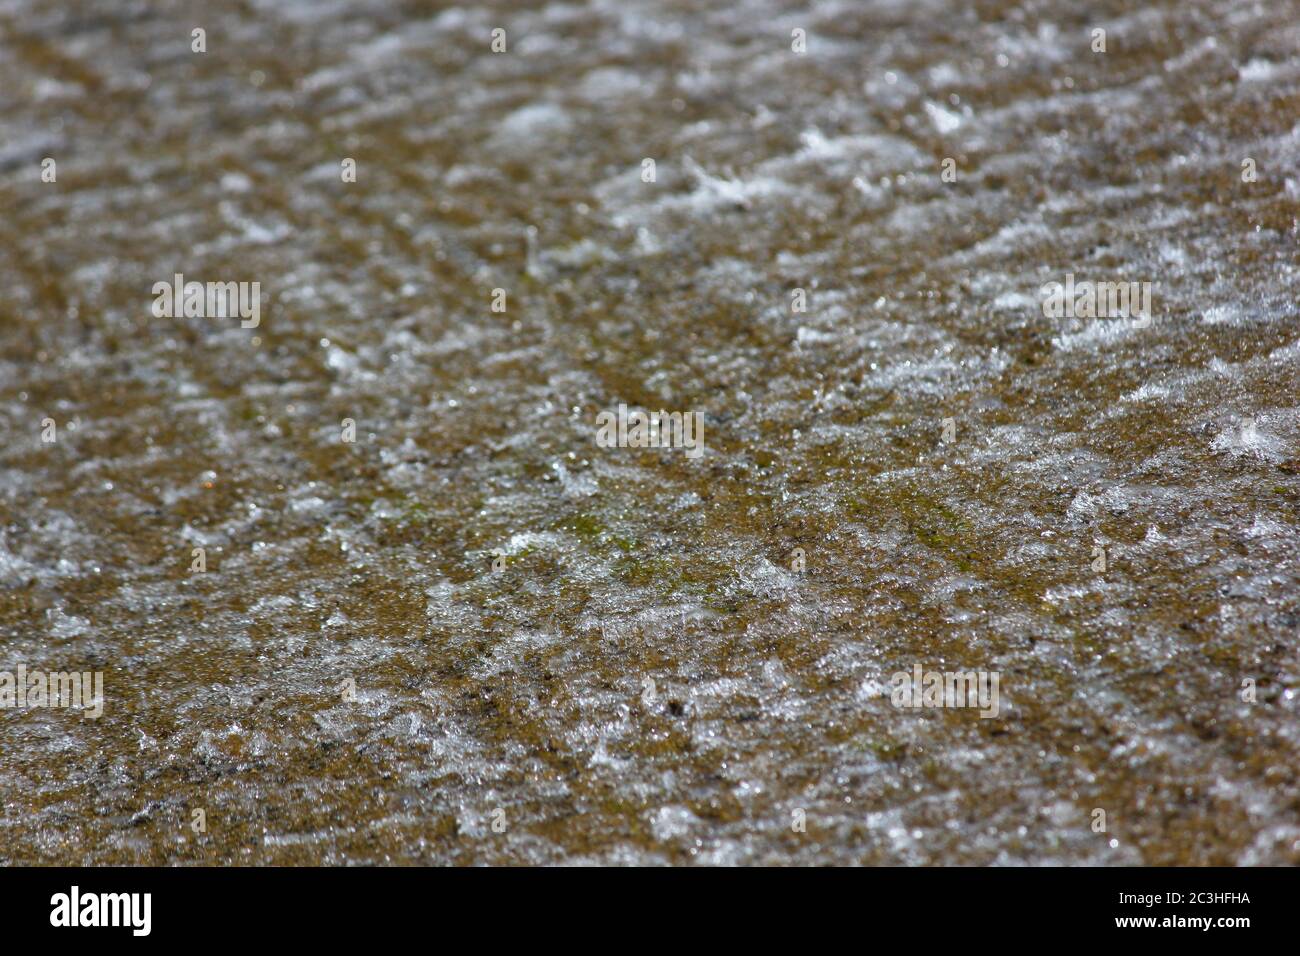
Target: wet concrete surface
[[647, 675]]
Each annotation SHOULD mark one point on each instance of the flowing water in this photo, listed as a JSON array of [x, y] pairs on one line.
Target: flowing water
[[472, 635]]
